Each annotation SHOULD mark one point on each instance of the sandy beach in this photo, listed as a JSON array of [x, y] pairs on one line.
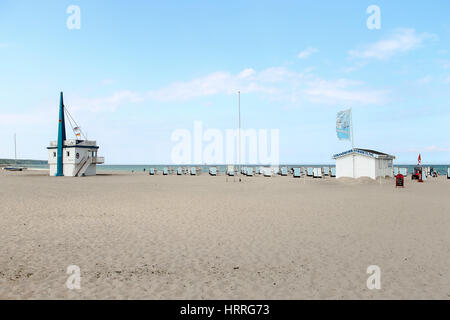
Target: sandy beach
[[136, 236]]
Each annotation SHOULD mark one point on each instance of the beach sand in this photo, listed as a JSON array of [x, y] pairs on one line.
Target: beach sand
[[136, 236]]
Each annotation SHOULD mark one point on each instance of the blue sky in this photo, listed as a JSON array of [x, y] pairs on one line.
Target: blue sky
[[138, 70]]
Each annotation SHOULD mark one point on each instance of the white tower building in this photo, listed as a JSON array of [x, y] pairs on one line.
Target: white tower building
[[79, 158]]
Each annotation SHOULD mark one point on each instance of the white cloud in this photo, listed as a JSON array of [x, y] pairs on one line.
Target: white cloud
[[445, 64], [212, 84], [10, 119], [307, 52], [343, 91], [106, 82], [246, 73], [247, 81], [432, 148], [358, 65], [277, 83], [400, 41], [425, 80], [106, 104], [38, 116], [437, 149]]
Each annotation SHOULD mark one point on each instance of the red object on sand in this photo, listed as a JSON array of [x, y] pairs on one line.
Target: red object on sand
[[399, 180]]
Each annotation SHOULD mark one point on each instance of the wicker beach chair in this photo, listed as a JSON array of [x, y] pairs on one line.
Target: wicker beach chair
[[317, 173], [267, 172], [333, 172]]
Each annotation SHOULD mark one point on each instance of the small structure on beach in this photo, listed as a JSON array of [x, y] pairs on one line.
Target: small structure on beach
[[72, 157], [333, 172], [267, 172], [317, 173], [356, 163], [213, 171]]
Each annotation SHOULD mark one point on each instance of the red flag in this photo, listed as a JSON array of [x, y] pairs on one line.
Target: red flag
[[419, 160]]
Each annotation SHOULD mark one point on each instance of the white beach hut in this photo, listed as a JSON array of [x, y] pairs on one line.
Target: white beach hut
[[356, 163]]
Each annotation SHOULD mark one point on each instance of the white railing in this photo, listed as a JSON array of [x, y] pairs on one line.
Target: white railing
[[73, 142], [99, 160]]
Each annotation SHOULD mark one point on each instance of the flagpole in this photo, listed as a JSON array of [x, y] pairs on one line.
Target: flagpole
[[15, 150], [353, 145], [351, 126], [239, 133]]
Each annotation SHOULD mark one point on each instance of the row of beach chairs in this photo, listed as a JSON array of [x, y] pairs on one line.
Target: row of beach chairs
[[319, 172], [179, 171], [269, 171], [250, 171], [314, 172], [283, 171], [404, 172]]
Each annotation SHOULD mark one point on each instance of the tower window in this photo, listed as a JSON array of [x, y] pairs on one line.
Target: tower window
[[54, 154], [68, 153]]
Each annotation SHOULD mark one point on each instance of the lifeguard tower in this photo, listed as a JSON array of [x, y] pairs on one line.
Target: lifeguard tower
[[73, 157]]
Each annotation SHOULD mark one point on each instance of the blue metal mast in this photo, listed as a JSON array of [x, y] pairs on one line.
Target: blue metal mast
[[61, 138]]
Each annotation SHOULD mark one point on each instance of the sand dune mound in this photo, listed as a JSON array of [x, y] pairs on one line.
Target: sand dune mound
[[362, 180]]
